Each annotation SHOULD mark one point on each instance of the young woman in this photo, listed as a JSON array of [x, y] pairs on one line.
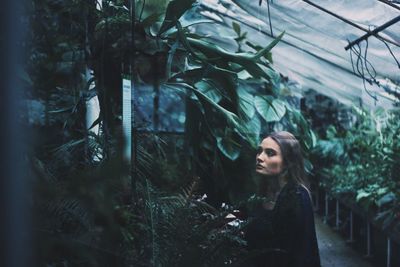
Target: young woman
[[281, 231]]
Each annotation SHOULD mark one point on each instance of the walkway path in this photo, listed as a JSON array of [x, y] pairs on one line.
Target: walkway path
[[334, 251]]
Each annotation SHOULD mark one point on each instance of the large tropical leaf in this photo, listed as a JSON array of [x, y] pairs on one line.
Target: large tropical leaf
[[207, 87], [269, 110], [253, 127], [229, 147], [246, 102], [247, 60], [231, 118], [175, 10], [240, 58]]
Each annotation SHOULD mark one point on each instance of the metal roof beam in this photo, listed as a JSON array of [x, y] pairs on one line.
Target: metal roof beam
[[390, 3], [373, 32], [351, 23]]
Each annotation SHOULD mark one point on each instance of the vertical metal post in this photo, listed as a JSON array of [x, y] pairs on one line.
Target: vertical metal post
[[326, 208], [337, 214], [369, 240], [351, 227], [134, 148], [389, 252]]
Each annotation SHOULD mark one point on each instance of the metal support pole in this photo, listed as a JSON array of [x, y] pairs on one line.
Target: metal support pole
[[390, 4], [351, 239], [134, 148], [389, 252], [369, 254], [326, 208], [337, 214]]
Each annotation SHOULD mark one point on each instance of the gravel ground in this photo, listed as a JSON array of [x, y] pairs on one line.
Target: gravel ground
[[334, 251]]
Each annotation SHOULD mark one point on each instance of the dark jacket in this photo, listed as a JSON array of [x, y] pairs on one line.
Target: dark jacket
[[284, 236]]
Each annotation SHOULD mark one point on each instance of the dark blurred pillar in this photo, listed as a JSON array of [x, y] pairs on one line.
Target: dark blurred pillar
[[14, 187]]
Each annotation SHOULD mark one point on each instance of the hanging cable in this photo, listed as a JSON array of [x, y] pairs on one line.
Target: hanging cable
[[269, 19], [361, 66], [391, 53], [351, 60], [367, 63], [269, 16]]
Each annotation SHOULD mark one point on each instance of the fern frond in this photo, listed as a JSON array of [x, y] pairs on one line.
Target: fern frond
[[187, 193]]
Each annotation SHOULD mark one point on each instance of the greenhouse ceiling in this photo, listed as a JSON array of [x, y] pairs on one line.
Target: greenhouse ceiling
[[312, 51]]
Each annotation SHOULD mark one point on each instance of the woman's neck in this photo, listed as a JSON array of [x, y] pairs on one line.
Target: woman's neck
[[274, 185], [270, 188]]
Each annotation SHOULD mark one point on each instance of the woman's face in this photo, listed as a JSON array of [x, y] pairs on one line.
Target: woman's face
[[269, 159]]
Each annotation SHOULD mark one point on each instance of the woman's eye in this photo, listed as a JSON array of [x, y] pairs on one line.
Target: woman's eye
[[270, 152]]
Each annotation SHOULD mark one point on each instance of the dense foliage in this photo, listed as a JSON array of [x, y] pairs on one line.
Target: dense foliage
[[91, 213], [363, 163]]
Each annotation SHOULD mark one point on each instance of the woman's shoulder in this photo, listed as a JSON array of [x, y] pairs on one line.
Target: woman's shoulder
[[296, 188], [294, 195], [290, 189]]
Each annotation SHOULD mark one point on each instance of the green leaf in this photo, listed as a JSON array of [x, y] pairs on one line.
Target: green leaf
[[389, 197], [246, 102], [170, 59], [266, 50], [308, 166], [247, 60], [65, 67], [313, 138], [268, 56], [151, 19], [262, 105], [254, 128], [275, 78], [236, 27], [244, 75], [331, 132], [362, 194], [270, 111], [382, 191], [383, 214], [175, 9], [206, 87], [74, 55], [228, 147], [232, 118]]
